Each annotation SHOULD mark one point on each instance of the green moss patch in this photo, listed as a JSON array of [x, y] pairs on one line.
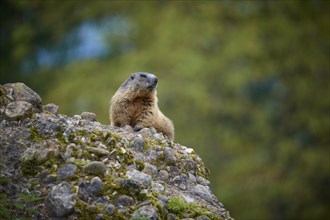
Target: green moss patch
[[179, 207]]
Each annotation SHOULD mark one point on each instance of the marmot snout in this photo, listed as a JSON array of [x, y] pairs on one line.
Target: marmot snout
[[135, 104]]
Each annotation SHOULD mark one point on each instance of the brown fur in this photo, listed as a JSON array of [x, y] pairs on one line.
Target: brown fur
[[135, 104]]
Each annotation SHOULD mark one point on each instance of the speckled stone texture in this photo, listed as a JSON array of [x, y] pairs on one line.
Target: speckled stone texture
[[55, 166]]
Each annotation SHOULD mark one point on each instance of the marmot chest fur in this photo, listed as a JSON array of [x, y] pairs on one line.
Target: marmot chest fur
[[135, 104]]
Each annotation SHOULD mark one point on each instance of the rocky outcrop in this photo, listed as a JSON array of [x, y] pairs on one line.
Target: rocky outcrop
[[60, 167]]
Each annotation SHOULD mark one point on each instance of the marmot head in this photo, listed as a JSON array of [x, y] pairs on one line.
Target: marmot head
[[141, 83]]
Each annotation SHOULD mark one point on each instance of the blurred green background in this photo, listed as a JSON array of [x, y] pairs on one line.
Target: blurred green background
[[245, 82]]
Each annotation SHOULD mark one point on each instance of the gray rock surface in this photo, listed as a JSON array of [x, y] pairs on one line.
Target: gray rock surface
[[21, 92], [137, 144], [203, 192], [109, 172], [90, 116], [129, 185], [163, 175], [96, 185], [18, 110], [51, 108], [150, 169], [142, 178], [146, 212], [66, 171], [98, 151], [158, 187], [96, 168], [124, 200], [61, 199], [109, 209]]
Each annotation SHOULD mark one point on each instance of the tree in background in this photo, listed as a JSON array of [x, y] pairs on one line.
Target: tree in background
[[246, 84]]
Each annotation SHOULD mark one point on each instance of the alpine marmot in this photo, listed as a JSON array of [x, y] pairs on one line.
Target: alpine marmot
[[135, 104]]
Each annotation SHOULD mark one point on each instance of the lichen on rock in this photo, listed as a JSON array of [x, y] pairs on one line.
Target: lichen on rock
[[81, 169]]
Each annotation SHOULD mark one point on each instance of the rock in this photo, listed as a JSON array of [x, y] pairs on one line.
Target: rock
[[96, 185], [190, 164], [124, 200], [130, 185], [146, 132], [169, 155], [158, 188], [202, 217], [202, 181], [143, 203], [67, 132], [28, 155], [182, 186], [124, 173], [137, 144], [141, 178], [124, 212], [21, 92], [35, 155], [91, 208], [51, 108], [152, 155], [98, 151], [189, 150], [163, 175], [43, 174], [162, 209], [53, 147], [76, 119], [158, 136], [18, 110], [66, 171], [4, 99], [109, 209], [50, 179], [146, 212], [171, 216], [99, 217], [96, 168], [89, 116], [62, 199], [188, 199], [203, 192], [70, 150], [177, 179], [150, 169], [192, 178], [43, 155], [163, 198]]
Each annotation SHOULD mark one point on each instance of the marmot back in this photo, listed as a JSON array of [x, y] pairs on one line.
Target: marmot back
[[135, 104]]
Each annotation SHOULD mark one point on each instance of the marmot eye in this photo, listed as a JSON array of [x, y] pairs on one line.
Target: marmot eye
[[143, 75], [132, 77]]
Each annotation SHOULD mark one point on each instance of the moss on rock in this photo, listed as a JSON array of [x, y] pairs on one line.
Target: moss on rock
[[109, 163]]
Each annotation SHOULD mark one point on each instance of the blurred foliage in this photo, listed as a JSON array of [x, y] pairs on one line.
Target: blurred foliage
[[245, 82]]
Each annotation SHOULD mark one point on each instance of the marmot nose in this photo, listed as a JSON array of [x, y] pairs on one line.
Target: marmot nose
[[152, 83]]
